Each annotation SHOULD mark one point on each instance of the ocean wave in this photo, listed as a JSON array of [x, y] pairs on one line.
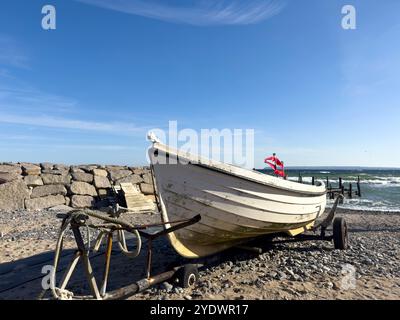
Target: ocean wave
[[390, 180], [366, 205]]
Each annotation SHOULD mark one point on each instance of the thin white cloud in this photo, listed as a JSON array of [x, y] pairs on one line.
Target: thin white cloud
[[22, 97], [72, 124], [198, 13], [11, 53]]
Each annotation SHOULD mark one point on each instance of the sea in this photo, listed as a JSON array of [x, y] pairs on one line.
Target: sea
[[380, 187]]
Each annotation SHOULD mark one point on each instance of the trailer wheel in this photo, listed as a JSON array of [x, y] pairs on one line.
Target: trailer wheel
[[188, 275], [340, 235]]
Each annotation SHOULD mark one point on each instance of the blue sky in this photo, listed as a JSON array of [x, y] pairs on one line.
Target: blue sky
[[89, 91]]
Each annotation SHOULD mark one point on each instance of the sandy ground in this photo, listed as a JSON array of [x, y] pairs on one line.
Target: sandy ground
[[369, 269]]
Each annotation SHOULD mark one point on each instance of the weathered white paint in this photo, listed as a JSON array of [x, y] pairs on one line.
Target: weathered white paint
[[235, 204]]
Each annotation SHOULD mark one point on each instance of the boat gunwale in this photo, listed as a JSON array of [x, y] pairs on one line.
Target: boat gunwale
[[258, 177]]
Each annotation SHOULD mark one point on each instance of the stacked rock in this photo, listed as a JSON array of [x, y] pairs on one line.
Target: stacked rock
[[40, 186]]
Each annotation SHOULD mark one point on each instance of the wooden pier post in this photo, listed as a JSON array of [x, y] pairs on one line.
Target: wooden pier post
[[351, 191], [313, 181], [358, 187], [341, 186], [300, 178]]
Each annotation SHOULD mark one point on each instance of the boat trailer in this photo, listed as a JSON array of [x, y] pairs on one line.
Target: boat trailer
[[113, 227]]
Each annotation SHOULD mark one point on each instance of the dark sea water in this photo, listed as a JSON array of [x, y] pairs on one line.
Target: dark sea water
[[380, 188]]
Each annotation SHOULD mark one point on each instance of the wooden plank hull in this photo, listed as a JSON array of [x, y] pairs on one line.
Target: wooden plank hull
[[233, 209]]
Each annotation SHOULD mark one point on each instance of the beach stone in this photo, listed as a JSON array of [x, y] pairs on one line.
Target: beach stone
[[44, 202], [134, 179], [47, 190], [56, 179], [82, 201], [166, 286], [147, 178], [31, 169], [67, 201], [147, 189], [33, 181], [83, 188], [100, 172], [61, 207], [13, 195], [119, 174], [102, 182], [82, 176]]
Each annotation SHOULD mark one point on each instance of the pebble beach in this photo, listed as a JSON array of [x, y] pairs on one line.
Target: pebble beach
[[285, 270]]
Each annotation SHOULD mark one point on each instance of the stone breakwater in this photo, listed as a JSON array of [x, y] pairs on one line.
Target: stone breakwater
[[46, 185]]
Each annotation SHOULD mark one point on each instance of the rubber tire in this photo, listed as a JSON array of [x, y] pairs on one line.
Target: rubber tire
[[187, 276], [340, 234]]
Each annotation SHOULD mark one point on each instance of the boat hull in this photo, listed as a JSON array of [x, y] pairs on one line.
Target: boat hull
[[233, 209]]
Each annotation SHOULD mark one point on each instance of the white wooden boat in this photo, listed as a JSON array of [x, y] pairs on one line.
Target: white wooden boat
[[235, 204]]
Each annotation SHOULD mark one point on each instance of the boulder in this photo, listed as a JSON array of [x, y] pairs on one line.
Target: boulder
[[33, 181], [88, 169], [147, 178], [45, 202], [47, 166], [13, 195], [135, 179], [139, 171], [82, 201], [55, 171], [119, 174], [56, 179], [83, 188], [10, 172], [115, 168], [11, 168], [147, 188], [31, 169], [62, 167], [101, 182], [47, 190], [100, 172], [82, 176], [9, 176], [75, 169]]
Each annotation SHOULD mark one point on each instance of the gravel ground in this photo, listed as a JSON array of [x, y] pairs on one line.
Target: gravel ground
[[369, 269]]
